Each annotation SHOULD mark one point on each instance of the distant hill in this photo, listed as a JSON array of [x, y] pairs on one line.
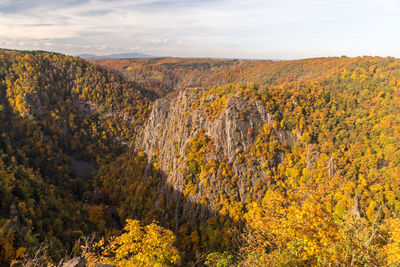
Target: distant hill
[[116, 56]]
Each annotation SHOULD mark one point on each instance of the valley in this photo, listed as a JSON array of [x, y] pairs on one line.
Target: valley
[[228, 162]]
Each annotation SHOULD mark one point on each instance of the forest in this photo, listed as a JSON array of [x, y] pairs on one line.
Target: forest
[[199, 162]]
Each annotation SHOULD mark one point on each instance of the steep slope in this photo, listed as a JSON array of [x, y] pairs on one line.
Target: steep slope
[[305, 165], [61, 118], [292, 163], [225, 123], [165, 75]]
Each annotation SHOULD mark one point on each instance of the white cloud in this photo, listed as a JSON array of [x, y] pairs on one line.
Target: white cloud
[[222, 28]]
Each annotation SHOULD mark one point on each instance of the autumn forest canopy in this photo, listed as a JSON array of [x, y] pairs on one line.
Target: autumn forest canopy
[[193, 162]]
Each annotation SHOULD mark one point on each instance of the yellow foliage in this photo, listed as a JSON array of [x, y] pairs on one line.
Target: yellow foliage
[[149, 245], [392, 249], [283, 226]]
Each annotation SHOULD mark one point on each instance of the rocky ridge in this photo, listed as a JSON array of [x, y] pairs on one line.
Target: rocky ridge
[[175, 121]]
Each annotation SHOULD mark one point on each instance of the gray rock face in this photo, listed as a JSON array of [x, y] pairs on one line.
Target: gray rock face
[[174, 122], [76, 262], [32, 100]]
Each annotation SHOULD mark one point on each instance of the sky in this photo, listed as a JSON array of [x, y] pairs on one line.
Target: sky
[[259, 29]]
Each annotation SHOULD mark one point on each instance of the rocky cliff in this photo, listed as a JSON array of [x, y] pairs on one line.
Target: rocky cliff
[[200, 138]]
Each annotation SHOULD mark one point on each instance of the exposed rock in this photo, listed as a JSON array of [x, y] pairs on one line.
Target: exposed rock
[[173, 122], [355, 210], [76, 262], [331, 167], [32, 101]]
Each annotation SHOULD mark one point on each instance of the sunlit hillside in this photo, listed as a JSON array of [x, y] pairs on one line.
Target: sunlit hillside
[[193, 162]]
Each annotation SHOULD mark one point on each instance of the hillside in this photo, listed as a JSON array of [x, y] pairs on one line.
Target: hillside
[[251, 163], [61, 118], [166, 75], [305, 164]]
